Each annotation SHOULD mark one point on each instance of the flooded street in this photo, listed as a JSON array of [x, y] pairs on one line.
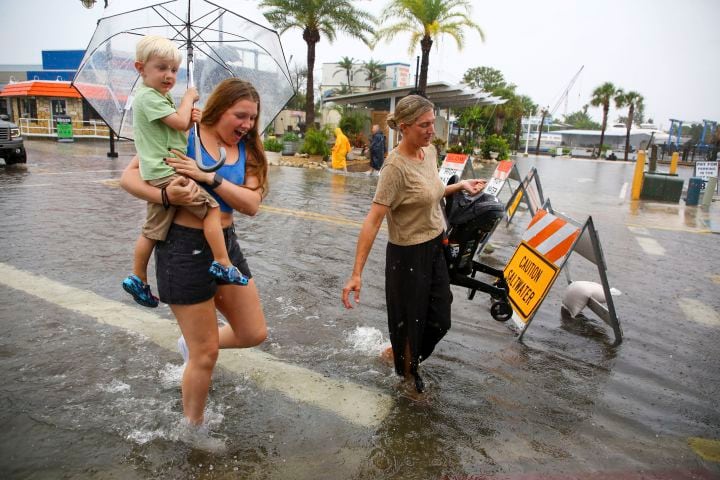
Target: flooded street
[[89, 382]]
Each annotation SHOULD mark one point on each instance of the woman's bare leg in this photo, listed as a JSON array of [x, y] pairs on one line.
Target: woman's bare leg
[[246, 322], [198, 324]]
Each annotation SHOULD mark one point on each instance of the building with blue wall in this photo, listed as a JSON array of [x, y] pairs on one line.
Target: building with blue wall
[[57, 65]]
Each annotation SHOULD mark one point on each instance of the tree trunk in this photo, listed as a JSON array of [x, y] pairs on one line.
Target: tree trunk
[[540, 127], [631, 113], [606, 108], [349, 85], [311, 37], [425, 46], [499, 123], [517, 133]]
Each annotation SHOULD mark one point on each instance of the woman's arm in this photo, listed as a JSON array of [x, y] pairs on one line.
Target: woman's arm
[[472, 186], [367, 236], [180, 191], [240, 197]]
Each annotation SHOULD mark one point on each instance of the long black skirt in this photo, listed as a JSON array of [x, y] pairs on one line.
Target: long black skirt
[[417, 291]]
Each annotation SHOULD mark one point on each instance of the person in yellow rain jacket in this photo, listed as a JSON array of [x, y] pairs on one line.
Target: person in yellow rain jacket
[[340, 150]]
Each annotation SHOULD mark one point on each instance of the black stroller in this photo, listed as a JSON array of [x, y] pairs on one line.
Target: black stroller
[[470, 221]]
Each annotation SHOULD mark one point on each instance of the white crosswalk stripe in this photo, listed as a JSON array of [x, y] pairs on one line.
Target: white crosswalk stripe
[[357, 404]]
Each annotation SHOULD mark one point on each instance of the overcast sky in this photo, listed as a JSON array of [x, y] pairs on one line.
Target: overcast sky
[[664, 49]]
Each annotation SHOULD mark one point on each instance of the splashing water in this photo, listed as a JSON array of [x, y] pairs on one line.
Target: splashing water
[[368, 340]]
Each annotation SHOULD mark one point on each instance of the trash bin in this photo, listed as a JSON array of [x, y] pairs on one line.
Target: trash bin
[[695, 186], [64, 128]]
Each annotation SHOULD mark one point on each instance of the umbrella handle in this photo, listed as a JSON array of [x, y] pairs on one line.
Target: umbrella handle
[[191, 83], [198, 155]]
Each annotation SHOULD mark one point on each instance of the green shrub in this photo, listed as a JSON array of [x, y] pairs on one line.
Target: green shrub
[[290, 137], [495, 143], [457, 148], [316, 143], [272, 144], [353, 122]]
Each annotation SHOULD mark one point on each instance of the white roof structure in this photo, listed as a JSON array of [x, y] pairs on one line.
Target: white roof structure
[[442, 94]]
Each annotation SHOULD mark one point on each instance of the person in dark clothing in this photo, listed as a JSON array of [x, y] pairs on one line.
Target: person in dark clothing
[[377, 150], [408, 194]]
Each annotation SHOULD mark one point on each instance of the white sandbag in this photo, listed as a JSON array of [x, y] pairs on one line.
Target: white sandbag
[[577, 295]]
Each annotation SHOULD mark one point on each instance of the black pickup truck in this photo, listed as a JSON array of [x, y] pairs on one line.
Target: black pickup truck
[[12, 149]]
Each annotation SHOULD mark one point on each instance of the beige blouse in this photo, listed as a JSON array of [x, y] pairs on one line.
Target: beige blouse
[[413, 190]]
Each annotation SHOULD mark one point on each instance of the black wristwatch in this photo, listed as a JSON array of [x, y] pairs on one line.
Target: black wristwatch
[[217, 180]]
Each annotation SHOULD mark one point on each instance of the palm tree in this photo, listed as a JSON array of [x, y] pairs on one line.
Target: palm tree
[[507, 109], [544, 113], [375, 73], [632, 100], [601, 96], [526, 109], [316, 17], [346, 65], [426, 20]]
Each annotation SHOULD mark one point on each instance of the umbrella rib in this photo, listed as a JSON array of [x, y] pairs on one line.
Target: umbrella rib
[[167, 21], [217, 60], [260, 47], [240, 16], [136, 10], [82, 65], [192, 25]]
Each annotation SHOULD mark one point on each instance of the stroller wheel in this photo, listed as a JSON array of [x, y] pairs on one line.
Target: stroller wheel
[[501, 311]]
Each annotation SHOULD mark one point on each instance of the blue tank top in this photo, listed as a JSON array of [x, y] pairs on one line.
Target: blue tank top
[[234, 173]]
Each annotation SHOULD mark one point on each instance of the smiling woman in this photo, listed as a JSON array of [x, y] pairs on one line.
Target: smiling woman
[[183, 259]]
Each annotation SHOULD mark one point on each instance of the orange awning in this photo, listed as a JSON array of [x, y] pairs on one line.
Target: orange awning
[[40, 88]]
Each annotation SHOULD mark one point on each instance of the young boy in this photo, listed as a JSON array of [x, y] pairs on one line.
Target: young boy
[[158, 127]]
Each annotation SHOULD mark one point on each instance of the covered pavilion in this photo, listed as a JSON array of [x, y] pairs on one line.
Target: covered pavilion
[[444, 95]]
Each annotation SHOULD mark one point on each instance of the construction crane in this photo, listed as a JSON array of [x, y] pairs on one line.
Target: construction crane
[[547, 113], [565, 94]]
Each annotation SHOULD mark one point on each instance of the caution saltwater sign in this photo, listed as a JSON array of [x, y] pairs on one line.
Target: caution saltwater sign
[[529, 277]]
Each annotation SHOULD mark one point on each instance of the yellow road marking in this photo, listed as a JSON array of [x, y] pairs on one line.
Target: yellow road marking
[[7, 187], [671, 229], [310, 215], [698, 312], [360, 405], [705, 448]]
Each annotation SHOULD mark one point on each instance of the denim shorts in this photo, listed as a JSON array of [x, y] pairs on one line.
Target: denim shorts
[[182, 264]]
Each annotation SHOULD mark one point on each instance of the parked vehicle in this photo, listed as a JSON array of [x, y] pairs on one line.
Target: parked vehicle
[[12, 149]]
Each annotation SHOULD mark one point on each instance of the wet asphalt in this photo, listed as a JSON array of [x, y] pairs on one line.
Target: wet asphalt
[[86, 399]]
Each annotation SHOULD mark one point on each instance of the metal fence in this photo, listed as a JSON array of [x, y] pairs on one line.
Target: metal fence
[[47, 127]]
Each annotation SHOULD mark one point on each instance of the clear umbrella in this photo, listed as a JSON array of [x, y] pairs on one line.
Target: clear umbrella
[[216, 42]]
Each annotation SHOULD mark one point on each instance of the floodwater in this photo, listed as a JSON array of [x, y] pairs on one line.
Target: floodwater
[[89, 384]]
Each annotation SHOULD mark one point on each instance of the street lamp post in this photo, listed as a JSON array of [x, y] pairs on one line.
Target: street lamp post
[[112, 153]]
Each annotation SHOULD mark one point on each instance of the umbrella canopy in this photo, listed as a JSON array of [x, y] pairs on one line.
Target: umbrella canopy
[[224, 44]]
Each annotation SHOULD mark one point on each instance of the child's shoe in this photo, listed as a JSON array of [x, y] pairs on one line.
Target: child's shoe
[[229, 274], [140, 291]]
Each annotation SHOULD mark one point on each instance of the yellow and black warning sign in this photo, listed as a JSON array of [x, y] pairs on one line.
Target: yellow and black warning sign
[[529, 277], [514, 202]]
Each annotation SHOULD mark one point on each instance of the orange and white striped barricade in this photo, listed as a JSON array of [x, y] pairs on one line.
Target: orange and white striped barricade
[[454, 164], [544, 250], [505, 170], [529, 191]]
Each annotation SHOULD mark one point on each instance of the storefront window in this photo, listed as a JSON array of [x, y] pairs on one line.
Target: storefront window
[[58, 107], [27, 107], [89, 112]]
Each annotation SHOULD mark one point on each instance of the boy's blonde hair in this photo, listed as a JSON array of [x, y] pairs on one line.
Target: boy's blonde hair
[[156, 46]]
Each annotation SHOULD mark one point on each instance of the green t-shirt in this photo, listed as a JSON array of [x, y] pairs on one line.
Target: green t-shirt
[[152, 137]]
